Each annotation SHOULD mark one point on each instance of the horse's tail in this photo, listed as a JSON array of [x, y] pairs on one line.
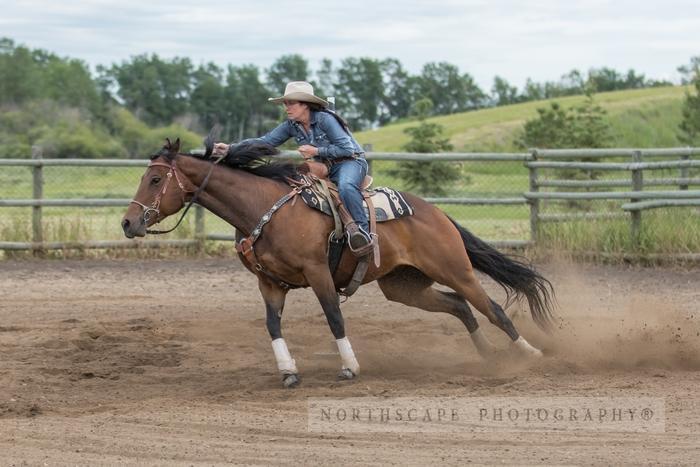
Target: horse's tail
[[518, 278]]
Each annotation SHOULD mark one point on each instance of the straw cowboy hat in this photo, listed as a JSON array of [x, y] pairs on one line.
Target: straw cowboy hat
[[299, 91]]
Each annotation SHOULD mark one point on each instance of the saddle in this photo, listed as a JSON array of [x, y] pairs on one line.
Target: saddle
[[381, 205]]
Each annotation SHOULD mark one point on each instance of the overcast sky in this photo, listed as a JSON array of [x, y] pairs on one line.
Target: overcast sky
[[541, 39]]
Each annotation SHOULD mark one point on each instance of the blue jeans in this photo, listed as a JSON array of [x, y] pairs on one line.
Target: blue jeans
[[348, 176]]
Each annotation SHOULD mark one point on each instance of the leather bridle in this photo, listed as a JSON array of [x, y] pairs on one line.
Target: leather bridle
[[155, 206]]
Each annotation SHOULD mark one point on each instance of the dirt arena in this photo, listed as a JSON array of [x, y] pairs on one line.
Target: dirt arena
[[169, 362]]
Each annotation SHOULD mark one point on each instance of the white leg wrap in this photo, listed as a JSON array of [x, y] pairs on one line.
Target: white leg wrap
[[525, 347], [348, 356], [285, 362], [483, 345]]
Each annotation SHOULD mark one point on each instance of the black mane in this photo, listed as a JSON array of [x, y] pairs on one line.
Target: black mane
[[253, 157], [164, 152]]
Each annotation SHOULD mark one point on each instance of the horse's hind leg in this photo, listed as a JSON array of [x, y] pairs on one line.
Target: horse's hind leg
[[468, 286], [455, 271], [411, 287]]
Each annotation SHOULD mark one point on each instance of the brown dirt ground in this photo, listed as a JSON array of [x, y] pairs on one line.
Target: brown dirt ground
[[169, 362]]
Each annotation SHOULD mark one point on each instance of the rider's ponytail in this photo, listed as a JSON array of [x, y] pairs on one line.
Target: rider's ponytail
[[318, 108]]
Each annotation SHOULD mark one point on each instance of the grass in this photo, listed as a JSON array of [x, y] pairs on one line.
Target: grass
[[639, 118], [668, 231]]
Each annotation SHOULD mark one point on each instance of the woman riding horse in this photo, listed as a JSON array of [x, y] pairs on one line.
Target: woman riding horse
[[247, 191], [323, 136]]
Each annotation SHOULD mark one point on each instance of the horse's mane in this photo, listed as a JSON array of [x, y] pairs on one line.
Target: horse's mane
[[254, 157]]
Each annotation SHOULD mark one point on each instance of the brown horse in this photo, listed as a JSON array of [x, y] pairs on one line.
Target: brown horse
[[416, 251]]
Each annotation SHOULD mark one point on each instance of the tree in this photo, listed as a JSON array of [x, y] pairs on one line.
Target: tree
[[19, 80], [532, 91], [69, 82], [449, 90], [399, 91], [360, 91], [604, 79], [27, 74], [503, 93], [584, 126], [572, 83], [245, 100], [690, 125], [326, 78], [690, 71], [154, 89], [590, 128], [207, 98], [293, 67], [426, 177]]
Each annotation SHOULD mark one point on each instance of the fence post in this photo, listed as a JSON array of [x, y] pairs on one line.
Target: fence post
[[534, 203], [37, 194], [200, 234], [368, 148], [637, 185], [684, 172]]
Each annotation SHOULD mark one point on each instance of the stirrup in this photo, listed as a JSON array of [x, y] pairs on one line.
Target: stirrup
[[360, 242]]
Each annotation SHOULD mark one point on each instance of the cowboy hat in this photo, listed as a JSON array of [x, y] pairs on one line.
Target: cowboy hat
[[299, 91]]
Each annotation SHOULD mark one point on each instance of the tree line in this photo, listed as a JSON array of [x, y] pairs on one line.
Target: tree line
[[369, 92], [114, 111]]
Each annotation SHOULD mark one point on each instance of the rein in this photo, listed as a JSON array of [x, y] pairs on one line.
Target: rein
[[156, 202]]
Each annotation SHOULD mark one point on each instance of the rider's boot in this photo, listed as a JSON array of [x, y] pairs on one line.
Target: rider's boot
[[361, 242]]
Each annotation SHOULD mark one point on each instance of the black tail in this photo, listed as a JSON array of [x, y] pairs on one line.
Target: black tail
[[518, 278]]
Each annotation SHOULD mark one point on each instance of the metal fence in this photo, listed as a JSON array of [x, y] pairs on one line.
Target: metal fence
[[504, 198]]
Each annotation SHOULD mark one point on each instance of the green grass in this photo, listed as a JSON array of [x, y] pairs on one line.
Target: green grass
[[669, 231], [639, 118]]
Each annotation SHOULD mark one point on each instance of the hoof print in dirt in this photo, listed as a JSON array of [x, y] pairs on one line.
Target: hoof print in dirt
[[290, 381]]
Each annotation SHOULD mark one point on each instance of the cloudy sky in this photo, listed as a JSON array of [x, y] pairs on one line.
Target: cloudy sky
[[515, 39]]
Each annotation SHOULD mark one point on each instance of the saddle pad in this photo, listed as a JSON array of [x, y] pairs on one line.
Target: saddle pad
[[388, 204]]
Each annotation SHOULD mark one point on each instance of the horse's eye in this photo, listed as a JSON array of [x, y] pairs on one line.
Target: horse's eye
[[155, 180]]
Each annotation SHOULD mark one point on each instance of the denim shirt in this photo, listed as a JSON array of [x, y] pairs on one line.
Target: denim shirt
[[326, 134]]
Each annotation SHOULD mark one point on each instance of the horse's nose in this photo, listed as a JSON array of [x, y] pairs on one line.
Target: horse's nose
[[125, 225]]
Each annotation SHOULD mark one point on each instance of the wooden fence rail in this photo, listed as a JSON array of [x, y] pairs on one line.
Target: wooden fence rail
[[534, 161]]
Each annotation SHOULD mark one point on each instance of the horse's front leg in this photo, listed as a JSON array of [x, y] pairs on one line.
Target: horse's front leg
[[320, 280], [274, 297]]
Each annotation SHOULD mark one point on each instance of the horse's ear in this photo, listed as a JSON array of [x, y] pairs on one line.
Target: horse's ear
[[168, 144], [176, 146]]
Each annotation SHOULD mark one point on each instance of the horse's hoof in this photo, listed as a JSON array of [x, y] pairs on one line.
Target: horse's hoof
[[291, 380], [346, 374], [526, 350]]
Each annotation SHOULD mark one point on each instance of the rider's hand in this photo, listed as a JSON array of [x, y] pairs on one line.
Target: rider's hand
[[220, 149], [307, 151]]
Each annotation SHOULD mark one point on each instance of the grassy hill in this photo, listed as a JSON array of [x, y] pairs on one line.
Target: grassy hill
[[639, 118]]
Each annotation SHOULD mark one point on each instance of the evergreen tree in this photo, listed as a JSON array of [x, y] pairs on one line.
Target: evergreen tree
[[430, 178], [690, 125], [584, 126]]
